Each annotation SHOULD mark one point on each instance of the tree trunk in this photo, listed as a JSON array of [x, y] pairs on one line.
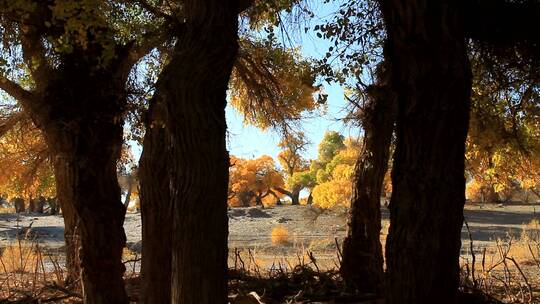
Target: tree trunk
[[53, 206], [31, 205], [81, 120], [88, 190], [431, 78], [294, 194], [362, 263], [156, 209], [196, 82], [71, 223], [19, 205], [40, 204], [128, 194]]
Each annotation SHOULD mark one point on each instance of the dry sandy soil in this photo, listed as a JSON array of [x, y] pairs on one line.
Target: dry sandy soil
[[308, 228]]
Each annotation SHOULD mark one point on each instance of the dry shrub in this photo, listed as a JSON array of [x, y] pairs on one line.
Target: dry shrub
[[19, 257], [280, 235], [7, 209], [527, 248]]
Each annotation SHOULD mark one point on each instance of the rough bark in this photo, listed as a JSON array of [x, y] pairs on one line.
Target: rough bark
[[196, 82], [71, 236], [362, 263], [156, 209], [78, 104], [88, 191], [431, 78], [80, 117]]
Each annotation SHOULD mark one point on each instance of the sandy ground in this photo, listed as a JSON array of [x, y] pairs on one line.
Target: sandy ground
[[308, 228]]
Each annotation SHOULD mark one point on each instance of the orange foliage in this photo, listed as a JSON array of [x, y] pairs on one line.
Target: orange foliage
[[24, 163], [251, 181]]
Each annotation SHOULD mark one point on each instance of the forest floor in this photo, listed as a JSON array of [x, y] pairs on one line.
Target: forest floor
[[273, 241], [287, 231]]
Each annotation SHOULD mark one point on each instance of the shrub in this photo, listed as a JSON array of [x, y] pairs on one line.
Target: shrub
[[19, 257], [280, 235]]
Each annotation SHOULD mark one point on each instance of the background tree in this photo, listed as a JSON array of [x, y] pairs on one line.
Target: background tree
[[24, 159], [251, 181], [334, 180], [290, 158]]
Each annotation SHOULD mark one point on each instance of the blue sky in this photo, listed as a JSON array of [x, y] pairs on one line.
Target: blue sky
[[249, 142]]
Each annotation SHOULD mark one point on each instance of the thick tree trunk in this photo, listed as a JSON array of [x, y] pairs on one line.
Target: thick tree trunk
[[81, 120], [431, 78], [156, 209], [18, 203], [71, 236], [88, 190], [294, 194], [362, 263], [196, 82]]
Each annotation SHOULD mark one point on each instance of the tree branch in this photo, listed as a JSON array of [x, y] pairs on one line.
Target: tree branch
[[34, 55], [16, 91]]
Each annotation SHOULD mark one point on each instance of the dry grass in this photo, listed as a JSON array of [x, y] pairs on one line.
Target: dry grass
[[19, 257], [509, 270], [29, 275], [280, 235], [4, 209]]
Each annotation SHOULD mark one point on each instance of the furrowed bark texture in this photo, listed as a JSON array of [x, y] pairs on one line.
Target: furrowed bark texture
[[431, 78], [81, 118], [195, 84], [156, 209], [362, 264]]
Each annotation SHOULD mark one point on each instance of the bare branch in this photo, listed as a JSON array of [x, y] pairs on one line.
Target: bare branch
[[15, 90]]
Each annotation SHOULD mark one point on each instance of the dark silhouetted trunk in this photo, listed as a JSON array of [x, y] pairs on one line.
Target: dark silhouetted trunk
[[156, 209], [127, 199], [81, 119], [18, 203], [90, 196], [431, 77], [196, 82], [362, 263], [71, 237], [294, 194], [245, 198], [31, 205], [53, 206], [40, 204]]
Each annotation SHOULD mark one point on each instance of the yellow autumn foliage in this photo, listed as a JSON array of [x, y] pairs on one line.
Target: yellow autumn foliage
[[251, 181], [335, 179], [25, 164]]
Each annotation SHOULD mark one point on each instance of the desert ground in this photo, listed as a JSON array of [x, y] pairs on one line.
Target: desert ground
[[307, 229]]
